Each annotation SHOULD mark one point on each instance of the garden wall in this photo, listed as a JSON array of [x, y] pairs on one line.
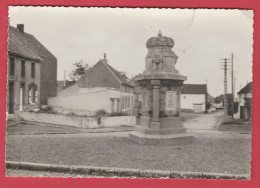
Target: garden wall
[[76, 121], [118, 121]]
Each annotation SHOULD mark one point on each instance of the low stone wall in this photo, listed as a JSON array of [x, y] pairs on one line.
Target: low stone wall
[[75, 121], [68, 111], [118, 121]]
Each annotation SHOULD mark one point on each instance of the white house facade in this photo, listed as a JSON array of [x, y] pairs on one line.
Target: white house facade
[[101, 88], [245, 102], [194, 97]]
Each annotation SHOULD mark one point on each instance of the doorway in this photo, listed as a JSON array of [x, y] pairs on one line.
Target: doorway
[[11, 98], [21, 96]]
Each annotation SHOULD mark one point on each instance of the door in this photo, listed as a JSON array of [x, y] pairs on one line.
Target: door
[[243, 112], [11, 98], [21, 96]]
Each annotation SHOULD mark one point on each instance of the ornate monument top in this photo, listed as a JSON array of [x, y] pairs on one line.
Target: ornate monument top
[[160, 41], [160, 60]]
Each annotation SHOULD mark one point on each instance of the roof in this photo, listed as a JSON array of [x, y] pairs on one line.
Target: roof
[[120, 76], [60, 84], [26, 45], [220, 98], [71, 90], [246, 89], [103, 75], [194, 89]]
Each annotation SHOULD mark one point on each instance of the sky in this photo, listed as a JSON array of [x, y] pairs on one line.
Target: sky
[[203, 37]]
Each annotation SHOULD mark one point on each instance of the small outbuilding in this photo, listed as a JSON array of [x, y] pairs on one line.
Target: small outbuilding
[[194, 97]]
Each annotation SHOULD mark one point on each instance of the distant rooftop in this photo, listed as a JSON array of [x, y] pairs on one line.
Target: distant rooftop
[[194, 89], [246, 89]]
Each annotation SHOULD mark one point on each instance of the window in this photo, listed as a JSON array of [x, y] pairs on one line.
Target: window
[[33, 70], [33, 94], [12, 66], [23, 69]]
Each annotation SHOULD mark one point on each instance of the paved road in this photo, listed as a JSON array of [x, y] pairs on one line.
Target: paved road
[[204, 123]]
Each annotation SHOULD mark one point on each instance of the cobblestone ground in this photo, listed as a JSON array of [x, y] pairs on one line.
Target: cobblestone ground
[[211, 151]]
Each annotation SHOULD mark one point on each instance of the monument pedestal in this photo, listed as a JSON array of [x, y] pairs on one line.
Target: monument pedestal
[[158, 90], [166, 132], [141, 138]]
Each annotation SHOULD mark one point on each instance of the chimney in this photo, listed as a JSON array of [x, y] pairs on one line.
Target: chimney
[[20, 27], [105, 57]]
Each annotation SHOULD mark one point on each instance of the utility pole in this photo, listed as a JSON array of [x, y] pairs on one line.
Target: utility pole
[[225, 88], [232, 85], [206, 97], [65, 75]]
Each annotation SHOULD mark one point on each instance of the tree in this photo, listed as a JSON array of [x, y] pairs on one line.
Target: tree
[[79, 69]]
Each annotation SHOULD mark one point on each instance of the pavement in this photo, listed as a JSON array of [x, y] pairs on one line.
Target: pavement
[[212, 151], [206, 123]]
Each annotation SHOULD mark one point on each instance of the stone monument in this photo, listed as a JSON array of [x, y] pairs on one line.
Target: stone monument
[[157, 99]]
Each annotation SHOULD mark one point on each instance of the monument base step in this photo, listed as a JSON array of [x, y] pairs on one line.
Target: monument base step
[[173, 130], [170, 139]]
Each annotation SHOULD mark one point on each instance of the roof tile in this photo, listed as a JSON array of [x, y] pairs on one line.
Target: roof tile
[[26, 45], [194, 89]]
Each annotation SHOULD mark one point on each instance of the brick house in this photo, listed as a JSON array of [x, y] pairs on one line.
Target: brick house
[[101, 88], [32, 71]]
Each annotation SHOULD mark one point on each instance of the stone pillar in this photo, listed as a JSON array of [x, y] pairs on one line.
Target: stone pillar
[[21, 99], [118, 105], [155, 104], [112, 105], [156, 98]]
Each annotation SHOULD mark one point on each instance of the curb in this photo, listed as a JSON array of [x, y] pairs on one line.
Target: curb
[[122, 172]]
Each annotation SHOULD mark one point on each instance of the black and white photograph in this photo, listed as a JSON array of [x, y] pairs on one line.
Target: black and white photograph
[[129, 92]]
